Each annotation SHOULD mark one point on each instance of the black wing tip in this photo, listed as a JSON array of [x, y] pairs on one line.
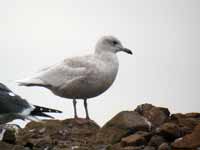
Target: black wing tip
[[46, 110], [58, 111]]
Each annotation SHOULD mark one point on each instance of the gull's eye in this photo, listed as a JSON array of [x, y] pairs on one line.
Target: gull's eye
[[114, 42]]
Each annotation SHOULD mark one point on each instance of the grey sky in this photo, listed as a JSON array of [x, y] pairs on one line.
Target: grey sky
[[164, 37]]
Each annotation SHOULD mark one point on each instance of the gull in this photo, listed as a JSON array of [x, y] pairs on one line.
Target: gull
[[13, 107], [82, 77]]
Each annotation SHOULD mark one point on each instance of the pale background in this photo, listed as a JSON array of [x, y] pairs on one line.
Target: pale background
[[164, 36]]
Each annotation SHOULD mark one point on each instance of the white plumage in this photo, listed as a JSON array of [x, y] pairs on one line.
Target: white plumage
[[82, 77]]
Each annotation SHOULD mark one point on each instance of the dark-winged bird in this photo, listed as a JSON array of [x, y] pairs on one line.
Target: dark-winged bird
[[13, 107]]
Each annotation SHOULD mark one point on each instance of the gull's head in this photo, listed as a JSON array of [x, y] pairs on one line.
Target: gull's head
[[110, 44]]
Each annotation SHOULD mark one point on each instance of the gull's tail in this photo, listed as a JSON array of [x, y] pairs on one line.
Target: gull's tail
[[30, 82], [40, 111]]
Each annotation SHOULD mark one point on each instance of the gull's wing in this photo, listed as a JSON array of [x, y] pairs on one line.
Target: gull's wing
[[63, 72]]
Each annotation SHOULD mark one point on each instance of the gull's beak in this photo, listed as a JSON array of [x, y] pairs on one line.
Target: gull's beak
[[127, 51]]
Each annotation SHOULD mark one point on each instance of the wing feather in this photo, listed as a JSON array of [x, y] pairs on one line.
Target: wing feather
[[67, 70]]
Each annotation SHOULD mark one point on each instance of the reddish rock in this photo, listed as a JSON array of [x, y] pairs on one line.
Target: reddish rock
[[123, 124], [164, 146], [169, 131], [185, 122], [133, 140], [189, 141], [146, 135], [156, 115]]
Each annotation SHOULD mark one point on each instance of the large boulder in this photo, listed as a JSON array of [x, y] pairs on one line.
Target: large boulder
[[156, 115], [123, 124]]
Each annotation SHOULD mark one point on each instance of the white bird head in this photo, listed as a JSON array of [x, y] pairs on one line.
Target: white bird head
[[110, 44]]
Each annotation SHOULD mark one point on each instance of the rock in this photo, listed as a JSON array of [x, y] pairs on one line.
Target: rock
[[123, 124], [169, 131], [147, 128], [193, 115], [102, 147], [164, 146], [144, 108], [118, 147], [133, 140], [156, 115], [177, 116], [189, 141], [188, 122], [134, 148], [146, 135], [6, 146], [149, 148], [9, 136], [8, 132], [55, 134], [156, 141], [184, 121]]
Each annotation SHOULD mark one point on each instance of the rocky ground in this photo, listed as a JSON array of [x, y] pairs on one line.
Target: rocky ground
[[146, 128]]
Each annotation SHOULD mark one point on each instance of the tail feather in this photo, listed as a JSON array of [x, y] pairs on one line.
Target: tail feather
[[40, 111], [41, 114], [31, 82]]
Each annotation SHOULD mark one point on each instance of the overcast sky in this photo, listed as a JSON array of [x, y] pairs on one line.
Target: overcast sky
[[164, 36]]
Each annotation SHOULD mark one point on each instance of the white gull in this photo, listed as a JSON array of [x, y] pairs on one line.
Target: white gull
[[82, 77]]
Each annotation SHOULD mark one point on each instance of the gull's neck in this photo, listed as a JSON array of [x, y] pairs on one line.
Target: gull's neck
[[107, 57], [111, 64]]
